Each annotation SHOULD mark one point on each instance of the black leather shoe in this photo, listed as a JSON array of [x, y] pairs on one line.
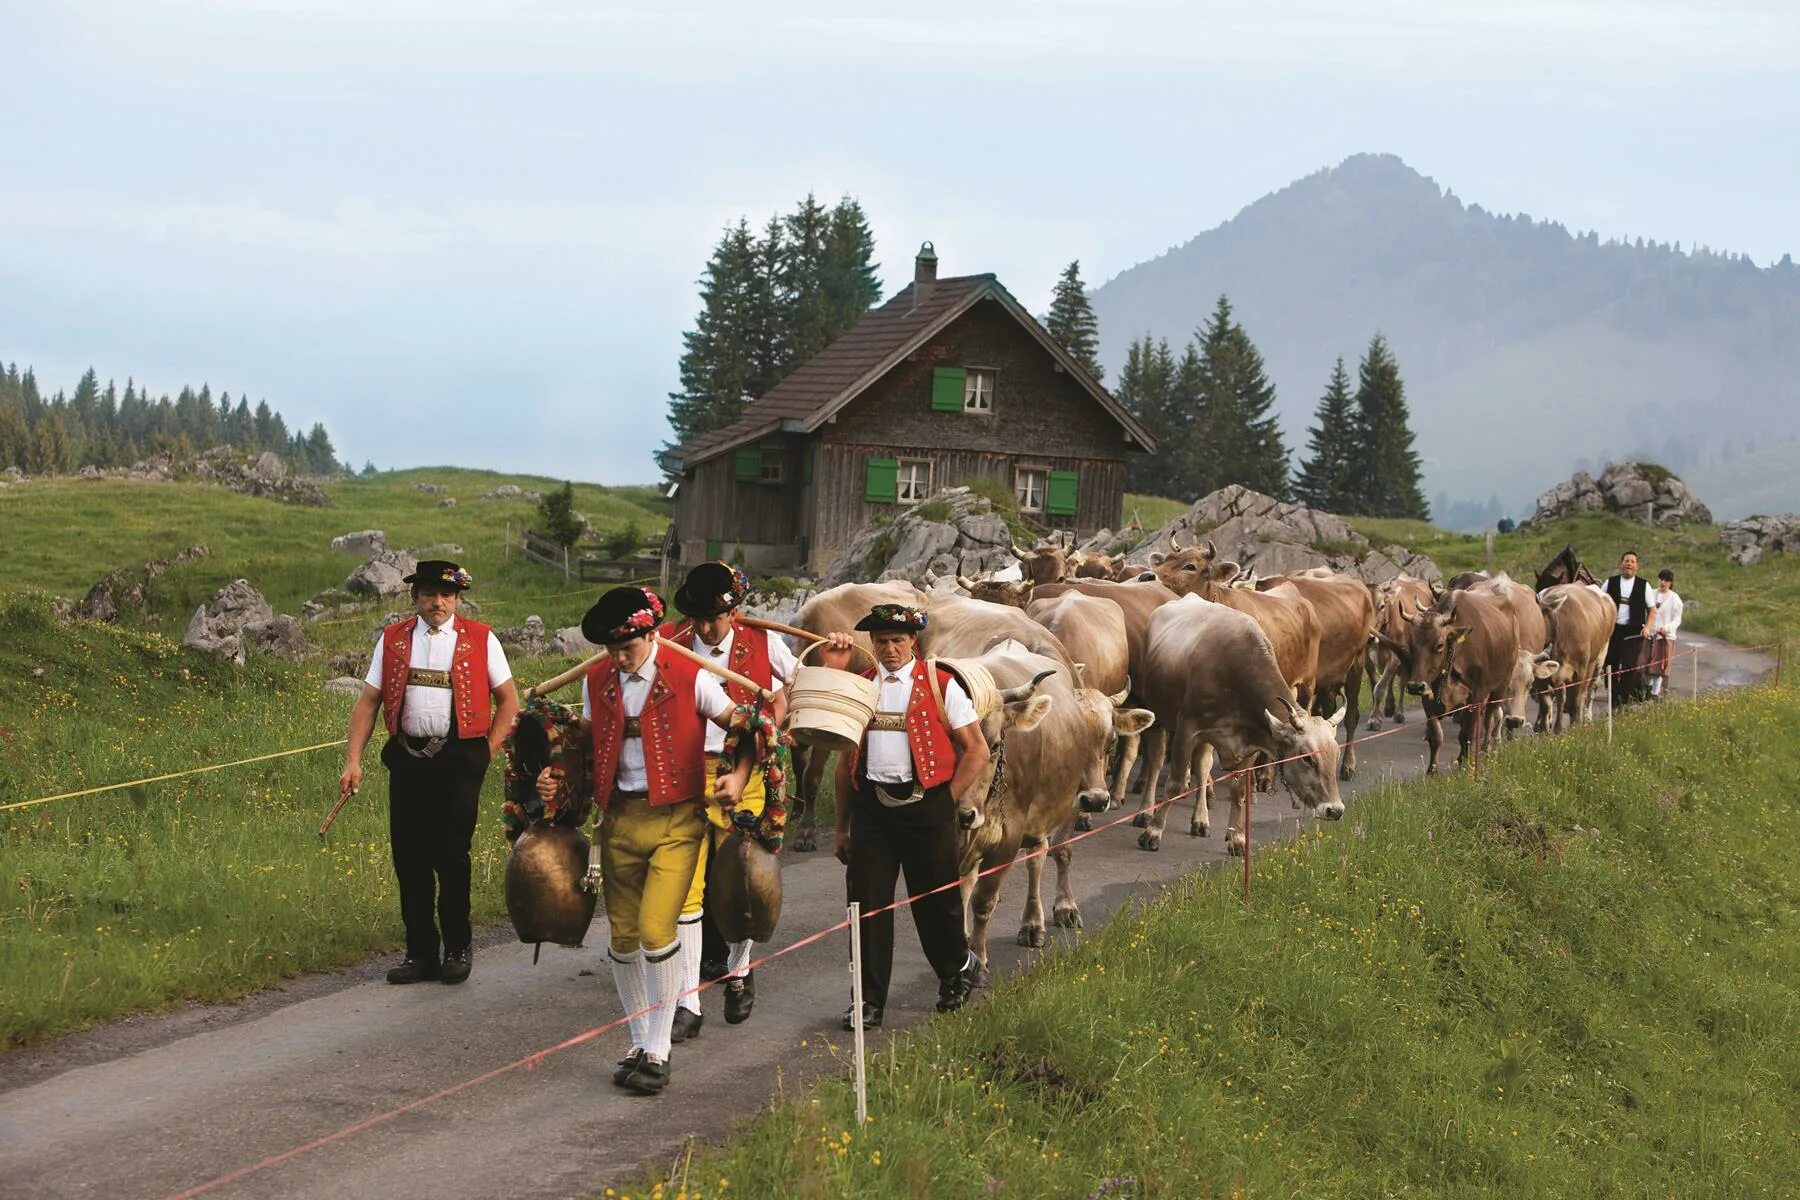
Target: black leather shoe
[[712, 968], [457, 964], [649, 1077], [414, 970], [627, 1065], [740, 998], [953, 992], [687, 1025], [871, 1016]]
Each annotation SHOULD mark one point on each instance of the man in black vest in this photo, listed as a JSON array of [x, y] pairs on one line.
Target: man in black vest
[[1625, 651]]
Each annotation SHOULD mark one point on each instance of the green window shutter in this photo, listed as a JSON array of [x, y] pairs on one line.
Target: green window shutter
[[1060, 502], [883, 482], [714, 550], [947, 389], [746, 467]]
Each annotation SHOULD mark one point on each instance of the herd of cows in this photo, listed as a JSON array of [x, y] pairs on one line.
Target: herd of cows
[[1211, 668]]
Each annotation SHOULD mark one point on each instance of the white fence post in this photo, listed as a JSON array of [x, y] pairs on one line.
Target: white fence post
[[856, 1014]]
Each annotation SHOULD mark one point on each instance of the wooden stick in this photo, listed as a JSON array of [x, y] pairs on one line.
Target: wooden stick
[[778, 627], [722, 672], [565, 679], [335, 809]]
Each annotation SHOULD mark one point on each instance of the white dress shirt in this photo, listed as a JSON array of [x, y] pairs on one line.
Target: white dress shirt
[[710, 701], [781, 662], [1626, 588], [426, 710], [889, 757], [1665, 613]]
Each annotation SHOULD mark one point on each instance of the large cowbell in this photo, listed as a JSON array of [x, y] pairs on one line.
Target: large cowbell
[[544, 896], [743, 889]]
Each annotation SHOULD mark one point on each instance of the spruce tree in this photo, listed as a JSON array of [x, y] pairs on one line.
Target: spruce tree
[[1386, 465], [557, 512], [1325, 480], [1147, 390], [1234, 437], [848, 283], [718, 364], [1071, 320], [801, 285]]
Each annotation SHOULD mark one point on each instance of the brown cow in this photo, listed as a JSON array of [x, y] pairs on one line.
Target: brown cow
[[1015, 593], [1285, 615], [1346, 622], [1212, 682], [1093, 565], [1462, 656], [1046, 564], [1384, 665], [1533, 634], [1050, 762], [1581, 623]]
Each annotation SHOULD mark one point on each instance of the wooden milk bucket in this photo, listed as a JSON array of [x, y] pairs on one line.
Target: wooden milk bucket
[[829, 708]]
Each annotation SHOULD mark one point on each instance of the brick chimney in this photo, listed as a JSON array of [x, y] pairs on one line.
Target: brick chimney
[[924, 276]]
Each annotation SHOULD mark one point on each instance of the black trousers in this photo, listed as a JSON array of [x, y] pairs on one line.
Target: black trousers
[[432, 805], [918, 840], [1624, 651]]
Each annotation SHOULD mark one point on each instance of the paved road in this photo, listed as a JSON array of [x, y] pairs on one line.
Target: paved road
[[151, 1106]]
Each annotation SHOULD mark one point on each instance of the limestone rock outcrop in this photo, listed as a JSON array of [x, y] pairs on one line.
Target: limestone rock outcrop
[[954, 532], [1641, 492], [1751, 538]]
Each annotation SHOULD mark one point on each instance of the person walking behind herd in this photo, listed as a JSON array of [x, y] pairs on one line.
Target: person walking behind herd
[[1624, 652], [1665, 621], [450, 702]]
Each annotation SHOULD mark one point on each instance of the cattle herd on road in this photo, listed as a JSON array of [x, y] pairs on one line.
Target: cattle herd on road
[[1207, 668]]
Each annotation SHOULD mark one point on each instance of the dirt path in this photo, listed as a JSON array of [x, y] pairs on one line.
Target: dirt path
[[151, 1106]]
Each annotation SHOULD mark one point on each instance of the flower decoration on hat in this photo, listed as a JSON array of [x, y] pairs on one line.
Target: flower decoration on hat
[[458, 576], [893, 618]]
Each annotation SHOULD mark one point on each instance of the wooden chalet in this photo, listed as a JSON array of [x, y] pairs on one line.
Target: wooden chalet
[[950, 381]]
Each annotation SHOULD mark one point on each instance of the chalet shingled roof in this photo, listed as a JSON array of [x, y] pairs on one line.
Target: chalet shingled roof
[[837, 374]]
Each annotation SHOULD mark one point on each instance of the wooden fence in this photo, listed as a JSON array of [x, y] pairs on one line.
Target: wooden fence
[[651, 563]]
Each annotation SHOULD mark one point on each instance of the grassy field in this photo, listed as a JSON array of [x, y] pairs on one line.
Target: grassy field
[[1573, 977]]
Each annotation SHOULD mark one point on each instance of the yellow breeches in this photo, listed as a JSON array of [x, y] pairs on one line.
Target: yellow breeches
[[651, 857], [718, 826]]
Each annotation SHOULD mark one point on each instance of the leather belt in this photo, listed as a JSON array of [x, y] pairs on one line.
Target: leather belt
[[421, 677], [422, 747], [888, 722]]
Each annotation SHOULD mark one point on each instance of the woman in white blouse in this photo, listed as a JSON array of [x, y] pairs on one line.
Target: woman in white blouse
[[1665, 619]]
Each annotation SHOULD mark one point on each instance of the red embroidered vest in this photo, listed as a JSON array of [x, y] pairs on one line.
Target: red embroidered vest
[[927, 731], [470, 696], [749, 656], [674, 734]]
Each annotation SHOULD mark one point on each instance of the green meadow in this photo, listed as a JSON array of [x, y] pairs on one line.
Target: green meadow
[[1573, 976]]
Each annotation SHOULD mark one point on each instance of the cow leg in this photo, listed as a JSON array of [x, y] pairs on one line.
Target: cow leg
[[1153, 764], [1067, 913], [1128, 756], [1235, 841], [1201, 824], [1385, 685], [810, 765], [1434, 734], [986, 895], [1465, 734], [1353, 715], [1031, 930], [1181, 764]]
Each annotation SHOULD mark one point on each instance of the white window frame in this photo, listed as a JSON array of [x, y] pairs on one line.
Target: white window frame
[[978, 389], [1021, 476], [770, 459], [904, 493]]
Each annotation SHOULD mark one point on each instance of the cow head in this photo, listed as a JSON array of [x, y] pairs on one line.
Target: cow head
[[1014, 594], [1107, 720], [1046, 564], [1195, 569], [1021, 709], [1432, 636], [1307, 748], [1093, 566]]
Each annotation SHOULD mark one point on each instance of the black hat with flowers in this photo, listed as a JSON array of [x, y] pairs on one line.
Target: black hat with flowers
[[438, 572], [622, 614], [711, 589], [892, 618]]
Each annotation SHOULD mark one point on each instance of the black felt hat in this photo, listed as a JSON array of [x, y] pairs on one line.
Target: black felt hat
[[893, 618], [711, 589], [622, 614], [437, 571]]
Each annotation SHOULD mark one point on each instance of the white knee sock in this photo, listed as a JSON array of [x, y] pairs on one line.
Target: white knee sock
[[688, 930], [634, 992], [738, 960], [663, 969]]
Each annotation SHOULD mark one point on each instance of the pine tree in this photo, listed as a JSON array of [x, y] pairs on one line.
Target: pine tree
[[1325, 481], [801, 284], [321, 455], [1386, 471], [1071, 320], [1235, 437], [557, 511], [765, 327], [718, 366], [1147, 389], [848, 282]]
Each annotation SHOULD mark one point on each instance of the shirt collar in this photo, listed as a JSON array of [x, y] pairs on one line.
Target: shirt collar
[[644, 674], [722, 650], [421, 625]]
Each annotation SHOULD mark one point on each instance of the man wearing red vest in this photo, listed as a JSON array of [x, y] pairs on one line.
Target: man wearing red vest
[[897, 809], [710, 597], [438, 677], [648, 709]]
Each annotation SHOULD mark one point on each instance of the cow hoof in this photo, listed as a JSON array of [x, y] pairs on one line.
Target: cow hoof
[[1432, 769], [1142, 820], [1032, 935], [1345, 771], [983, 977], [1263, 785], [1374, 724], [1083, 823], [1198, 829], [1066, 917], [1149, 841], [1399, 718], [804, 841], [1234, 845]]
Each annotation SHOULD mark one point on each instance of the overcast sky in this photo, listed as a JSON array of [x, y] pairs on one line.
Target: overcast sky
[[468, 232]]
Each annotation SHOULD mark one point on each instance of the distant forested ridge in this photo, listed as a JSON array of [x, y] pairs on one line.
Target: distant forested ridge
[[101, 426], [1528, 347]]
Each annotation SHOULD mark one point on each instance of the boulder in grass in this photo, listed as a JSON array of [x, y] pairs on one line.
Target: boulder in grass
[[364, 542], [206, 637], [279, 637], [1746, 541], [383, 575]]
